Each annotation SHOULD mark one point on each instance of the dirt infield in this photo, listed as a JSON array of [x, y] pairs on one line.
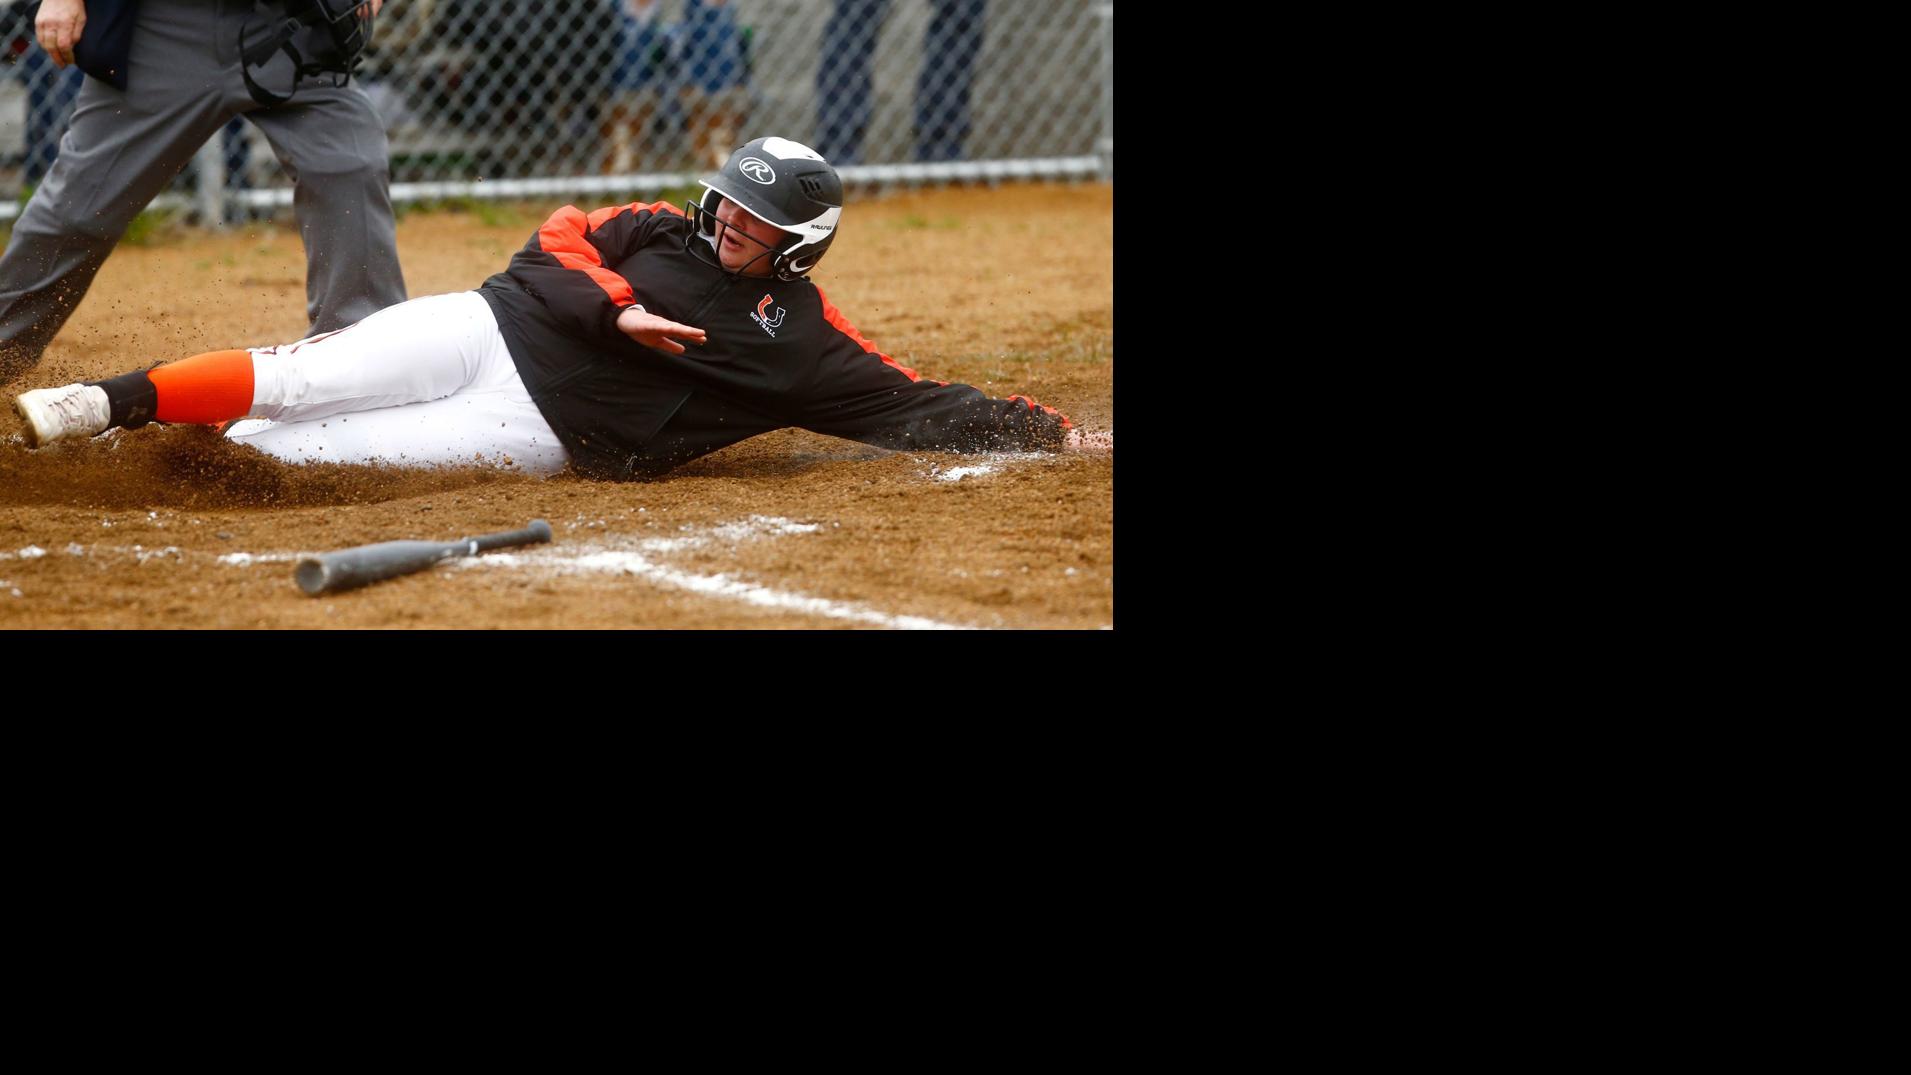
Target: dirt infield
[[1008, 289]]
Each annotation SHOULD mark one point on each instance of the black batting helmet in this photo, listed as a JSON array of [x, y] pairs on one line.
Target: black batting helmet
[[783, 183]]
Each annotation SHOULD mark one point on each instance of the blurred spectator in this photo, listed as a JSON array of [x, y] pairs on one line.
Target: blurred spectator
[[845, 90], [949, 48], [529, 66], [638, 82], [714, 61]]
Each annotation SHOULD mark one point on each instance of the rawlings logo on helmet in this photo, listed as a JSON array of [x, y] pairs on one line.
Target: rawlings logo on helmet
[[755, 169]]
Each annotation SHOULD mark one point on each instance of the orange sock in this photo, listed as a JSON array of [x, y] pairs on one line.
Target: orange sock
[[207, 388]]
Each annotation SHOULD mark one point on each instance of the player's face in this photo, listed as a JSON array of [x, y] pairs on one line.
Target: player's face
[[746, 244]]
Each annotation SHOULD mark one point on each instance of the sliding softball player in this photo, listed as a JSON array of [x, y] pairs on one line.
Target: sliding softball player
[[622, 342]]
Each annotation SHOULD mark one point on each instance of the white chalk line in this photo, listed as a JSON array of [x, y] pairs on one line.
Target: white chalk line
[[137, 552], [985, 465], [607, 559], [636, 560]]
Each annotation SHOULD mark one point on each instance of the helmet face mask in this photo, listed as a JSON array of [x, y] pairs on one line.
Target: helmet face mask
[[729, 220], [708, 229], [782, 183]]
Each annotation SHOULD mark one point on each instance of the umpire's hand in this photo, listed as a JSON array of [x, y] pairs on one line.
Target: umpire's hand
[[653, 331], [58, 26]]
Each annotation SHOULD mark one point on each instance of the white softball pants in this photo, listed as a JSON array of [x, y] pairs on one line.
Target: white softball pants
[[424, 383]]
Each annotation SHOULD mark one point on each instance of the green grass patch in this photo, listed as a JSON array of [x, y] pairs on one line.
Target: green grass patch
[[151, 226], [678, 195], [522, 213], [492, 214]]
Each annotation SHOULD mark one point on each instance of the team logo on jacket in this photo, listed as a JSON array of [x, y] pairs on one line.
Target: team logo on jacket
[[756, 170], [762, 315]]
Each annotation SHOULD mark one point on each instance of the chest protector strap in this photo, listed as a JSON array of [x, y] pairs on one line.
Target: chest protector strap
[[332, 33]]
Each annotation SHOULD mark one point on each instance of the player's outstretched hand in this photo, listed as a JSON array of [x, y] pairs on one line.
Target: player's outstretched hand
[[1089, 443], [658, 332], [59, 25]]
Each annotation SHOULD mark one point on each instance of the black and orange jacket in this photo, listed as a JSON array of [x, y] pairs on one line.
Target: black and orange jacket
[[778, 355]]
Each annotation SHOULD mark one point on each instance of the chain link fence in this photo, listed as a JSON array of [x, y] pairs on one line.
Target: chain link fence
[[543, 98]]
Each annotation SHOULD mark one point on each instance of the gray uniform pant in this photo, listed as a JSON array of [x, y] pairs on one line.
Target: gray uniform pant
[[184, 83]]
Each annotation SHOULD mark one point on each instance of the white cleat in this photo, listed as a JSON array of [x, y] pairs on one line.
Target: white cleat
[[51, 414]]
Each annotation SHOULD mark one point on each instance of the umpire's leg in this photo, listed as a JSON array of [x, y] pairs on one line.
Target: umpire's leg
[[120, 151], [333, 146]]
